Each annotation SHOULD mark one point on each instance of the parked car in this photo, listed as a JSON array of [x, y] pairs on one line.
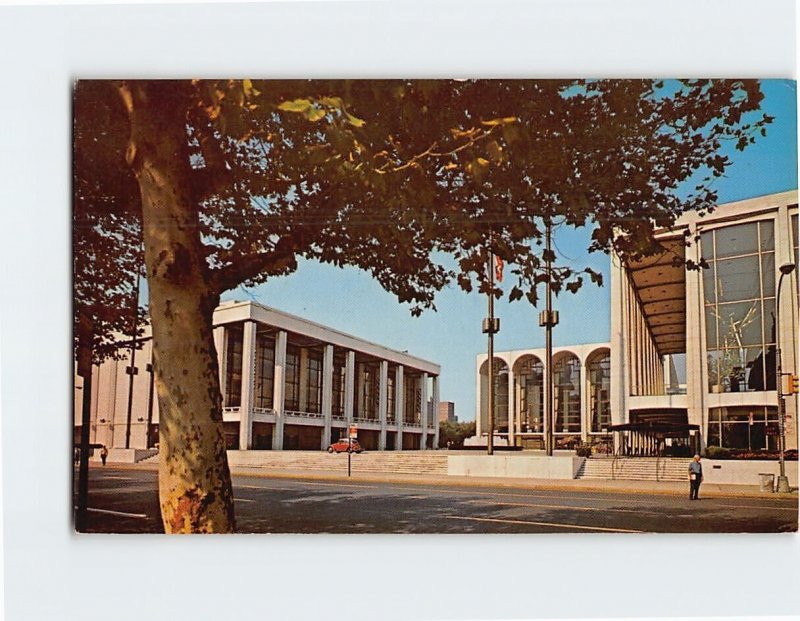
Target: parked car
[[342, 445]]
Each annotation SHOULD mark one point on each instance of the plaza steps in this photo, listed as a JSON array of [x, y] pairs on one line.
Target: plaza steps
[[400, 462], [635, 468]]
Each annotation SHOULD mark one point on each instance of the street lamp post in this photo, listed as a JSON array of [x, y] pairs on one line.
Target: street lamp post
[[783, 482]]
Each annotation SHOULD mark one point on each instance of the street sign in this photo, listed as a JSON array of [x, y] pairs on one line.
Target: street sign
[[352, 432]]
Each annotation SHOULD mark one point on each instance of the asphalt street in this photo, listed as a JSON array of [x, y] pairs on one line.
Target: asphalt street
[[126, 501]]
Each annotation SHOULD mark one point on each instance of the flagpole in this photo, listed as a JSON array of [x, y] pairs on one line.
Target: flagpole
[[490, 331]]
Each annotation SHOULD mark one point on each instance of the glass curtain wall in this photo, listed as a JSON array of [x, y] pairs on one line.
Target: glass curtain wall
[[743, 427], [739, 292]]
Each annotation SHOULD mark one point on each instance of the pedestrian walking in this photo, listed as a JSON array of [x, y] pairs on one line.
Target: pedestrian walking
[[695, 477], [104, 454]]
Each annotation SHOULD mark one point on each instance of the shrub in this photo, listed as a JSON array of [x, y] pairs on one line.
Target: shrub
[[583, 450], [717, 452]]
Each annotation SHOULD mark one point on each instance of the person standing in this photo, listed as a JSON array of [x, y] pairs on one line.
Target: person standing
[[695, 477], [104, 454]]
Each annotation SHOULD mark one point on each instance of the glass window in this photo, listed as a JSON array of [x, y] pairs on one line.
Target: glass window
[[736, 240], [767, 232], [738, 279], [233, 375], [390, 400], [265, 370], [567, 395], [531, 387], [292, 400], [314, 382], [739, 292], [739, 324], [339, 371], [599, 393]]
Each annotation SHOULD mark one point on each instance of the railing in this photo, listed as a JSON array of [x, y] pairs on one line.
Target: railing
[[231, 409], [263, 411], [362, 419], [297, 414]]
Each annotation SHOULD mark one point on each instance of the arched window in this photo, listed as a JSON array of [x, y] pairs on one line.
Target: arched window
[[599, 372], [529, 376], [567, 393], [500, 396]]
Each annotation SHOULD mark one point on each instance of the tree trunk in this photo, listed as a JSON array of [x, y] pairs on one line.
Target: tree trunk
[[194, 481], [84, 359]]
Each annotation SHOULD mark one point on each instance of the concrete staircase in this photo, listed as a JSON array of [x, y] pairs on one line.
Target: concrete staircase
[[401, 462], [635, 468]]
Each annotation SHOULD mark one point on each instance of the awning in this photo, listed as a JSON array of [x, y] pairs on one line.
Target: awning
[[660, 285]]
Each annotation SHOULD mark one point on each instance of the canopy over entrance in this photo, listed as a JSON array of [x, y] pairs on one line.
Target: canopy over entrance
[[656, 433]]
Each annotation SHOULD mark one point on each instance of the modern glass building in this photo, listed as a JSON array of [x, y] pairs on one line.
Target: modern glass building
[[287, 383], [692, 355]]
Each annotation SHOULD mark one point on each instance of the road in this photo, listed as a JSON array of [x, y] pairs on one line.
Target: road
[[125, 501]]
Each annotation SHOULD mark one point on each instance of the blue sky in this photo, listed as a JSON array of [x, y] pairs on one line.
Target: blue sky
[[351, 301]]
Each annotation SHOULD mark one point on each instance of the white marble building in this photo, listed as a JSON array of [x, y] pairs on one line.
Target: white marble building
[[692, 353], [306, 384]]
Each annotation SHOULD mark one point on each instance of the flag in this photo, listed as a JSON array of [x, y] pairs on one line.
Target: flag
[[498, 269]]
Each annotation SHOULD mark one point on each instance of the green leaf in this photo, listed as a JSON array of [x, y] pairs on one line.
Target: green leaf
[[332, 102], [354, 121], [315, 114], [296, 105]]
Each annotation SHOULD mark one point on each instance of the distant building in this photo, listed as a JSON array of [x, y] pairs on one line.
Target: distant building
[[306, 383], [447, 412]]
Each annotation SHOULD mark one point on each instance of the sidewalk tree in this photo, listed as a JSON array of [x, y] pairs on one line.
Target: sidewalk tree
[[238, 179], [106, 244]]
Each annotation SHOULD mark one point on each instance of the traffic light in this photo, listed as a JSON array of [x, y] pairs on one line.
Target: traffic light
[[791, 384]]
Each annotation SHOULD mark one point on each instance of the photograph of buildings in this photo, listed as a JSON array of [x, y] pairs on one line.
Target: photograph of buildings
[[284, 292]]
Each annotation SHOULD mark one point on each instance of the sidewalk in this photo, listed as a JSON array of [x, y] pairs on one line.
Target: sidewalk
[[663, 488]]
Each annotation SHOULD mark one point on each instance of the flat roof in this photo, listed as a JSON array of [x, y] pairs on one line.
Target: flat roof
[[233, 311]]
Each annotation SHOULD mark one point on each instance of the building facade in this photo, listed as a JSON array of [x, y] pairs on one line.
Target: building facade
[[287, 383], [447, 412], [581, 396], [699, 347], [692, 355]]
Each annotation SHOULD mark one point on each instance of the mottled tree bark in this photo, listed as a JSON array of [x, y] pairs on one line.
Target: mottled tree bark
[[194, 481]]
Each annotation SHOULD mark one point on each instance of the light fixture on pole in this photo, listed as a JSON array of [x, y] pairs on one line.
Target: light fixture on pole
[[783, 482]]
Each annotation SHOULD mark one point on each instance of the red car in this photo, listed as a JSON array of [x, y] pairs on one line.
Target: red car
[[342, 445]]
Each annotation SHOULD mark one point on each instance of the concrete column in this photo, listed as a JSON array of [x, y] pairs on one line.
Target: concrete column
[[513, 423], [327, 395], [220, 343], [349, 385], [383, 381], [696, 362], [619, 344], [423, 415], [399, 406], [278, 390], [248, 384], [436, 411]]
